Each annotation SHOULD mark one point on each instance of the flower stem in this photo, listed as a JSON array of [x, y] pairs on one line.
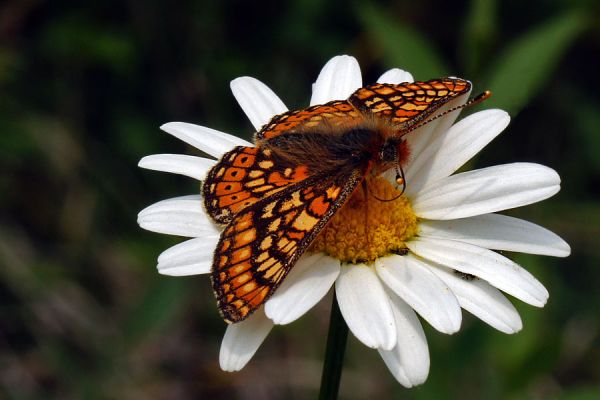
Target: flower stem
[[334, 353]]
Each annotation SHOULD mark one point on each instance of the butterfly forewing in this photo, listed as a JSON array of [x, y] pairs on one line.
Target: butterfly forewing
[[262, 242], [242, 177], [407, 104]]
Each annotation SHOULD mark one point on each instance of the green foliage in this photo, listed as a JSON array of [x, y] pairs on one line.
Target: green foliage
[[522, 69], [155, 310], [479, 32], [400, 45], [76, 39], [83, 90]]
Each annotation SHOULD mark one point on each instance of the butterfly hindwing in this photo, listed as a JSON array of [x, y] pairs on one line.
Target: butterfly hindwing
[[242, 177], [262, 242], [334, 113]]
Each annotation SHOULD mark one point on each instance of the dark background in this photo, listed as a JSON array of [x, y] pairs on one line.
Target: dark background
[[83, 90]]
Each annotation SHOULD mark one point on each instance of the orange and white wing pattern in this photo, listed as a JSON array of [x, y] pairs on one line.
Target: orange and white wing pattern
[[408, 103], [335, 113], [263, 241], [242, 177]]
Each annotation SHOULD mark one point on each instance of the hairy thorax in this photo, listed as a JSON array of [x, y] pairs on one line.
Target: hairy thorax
[[327, 150]]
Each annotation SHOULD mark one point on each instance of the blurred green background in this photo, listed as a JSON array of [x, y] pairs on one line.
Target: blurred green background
[[83, 90]]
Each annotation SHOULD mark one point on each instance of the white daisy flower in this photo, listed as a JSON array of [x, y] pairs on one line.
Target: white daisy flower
[[447, 221]]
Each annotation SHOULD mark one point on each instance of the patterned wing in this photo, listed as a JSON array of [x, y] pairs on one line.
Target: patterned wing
[[262, 243], [408, 103], [244, 176], [405, 103], [335, 113]]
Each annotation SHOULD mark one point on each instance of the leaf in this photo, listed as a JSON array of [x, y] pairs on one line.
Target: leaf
[[480, 28], [524, 67], [402, 46]]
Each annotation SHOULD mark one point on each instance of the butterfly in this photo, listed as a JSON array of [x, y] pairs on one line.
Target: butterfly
[[274, 199]]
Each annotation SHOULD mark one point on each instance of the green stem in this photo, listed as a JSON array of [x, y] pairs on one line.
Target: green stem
[[334, 354]]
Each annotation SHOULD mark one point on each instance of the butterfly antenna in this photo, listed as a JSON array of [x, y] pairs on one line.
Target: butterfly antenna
[[475, 100]]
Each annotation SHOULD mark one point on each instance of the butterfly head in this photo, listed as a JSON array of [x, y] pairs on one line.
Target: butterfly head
[[394, 152]]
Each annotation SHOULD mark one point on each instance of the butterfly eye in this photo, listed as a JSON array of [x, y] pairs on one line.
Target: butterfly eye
[[388, 152]]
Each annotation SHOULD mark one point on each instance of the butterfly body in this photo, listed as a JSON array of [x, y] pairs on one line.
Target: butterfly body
[[275, 198], [333, 149]]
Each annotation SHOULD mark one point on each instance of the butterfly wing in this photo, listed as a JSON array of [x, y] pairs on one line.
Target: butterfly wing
[[263, 241], [338, 112], [407, 104], [242, 177]]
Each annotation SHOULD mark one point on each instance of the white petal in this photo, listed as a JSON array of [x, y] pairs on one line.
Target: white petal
[[482, 300], [182, 216], [194, 167], [395, 76], [410, 279], [486, 190], [420, 138], [409, 360], [210, 141], [242, 339], [498, 270], [365, 306], [256, 99], [307, 283], [191, 257], [454, 147], [498, 232], [338, 79]]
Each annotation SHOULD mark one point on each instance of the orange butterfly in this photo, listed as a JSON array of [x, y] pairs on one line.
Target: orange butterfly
[[275, 198]]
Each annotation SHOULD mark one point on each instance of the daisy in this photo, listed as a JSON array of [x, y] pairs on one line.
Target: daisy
[[447, 221]]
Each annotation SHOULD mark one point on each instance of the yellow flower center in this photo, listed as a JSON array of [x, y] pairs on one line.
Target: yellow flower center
[[366, 228]]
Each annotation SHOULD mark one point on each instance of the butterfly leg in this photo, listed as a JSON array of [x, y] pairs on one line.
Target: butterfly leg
[[365, 189]]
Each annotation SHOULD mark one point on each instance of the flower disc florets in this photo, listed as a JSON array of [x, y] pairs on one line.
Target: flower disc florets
[[367, 226]]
